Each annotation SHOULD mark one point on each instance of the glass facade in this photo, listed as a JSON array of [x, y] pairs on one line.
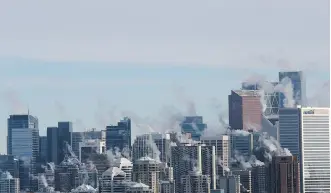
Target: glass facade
[[119, 136], [193, 125]]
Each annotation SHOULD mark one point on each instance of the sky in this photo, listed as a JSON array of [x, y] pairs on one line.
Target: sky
[[92, 63]]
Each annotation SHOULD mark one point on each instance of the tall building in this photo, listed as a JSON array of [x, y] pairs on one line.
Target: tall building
[[222, 146], [230, 184], [8, 184], [78, 137], [147, 170], [112, 181], [315, 149], [244, 143], [193, 125], [52, 145], [23, 142], [64, 136], [285, 175], [89, 147], [245, 110], [259, 179], [271, 98], [154, 145], [245, 179], [57, 139], [119, 136], [43, 149], [195, 182], [186, 157], [298, 85], [290, 129]]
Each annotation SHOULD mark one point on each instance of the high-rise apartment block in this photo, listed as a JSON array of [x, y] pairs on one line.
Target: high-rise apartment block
[[194, 126], [195, 182], [147, 171], [119, 136], [245, 110], [222, 147], [8, 184]]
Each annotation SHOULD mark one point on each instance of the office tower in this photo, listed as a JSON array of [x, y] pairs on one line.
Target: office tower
[[78, 137], [284, 175], [188, 156], [193, 125], [315, 148], [147, 170], [245, 179], [11, 164], [195, 182], [119, 136], [222, 146], [230, 184], [43, 149], [245, 110], [52, 145], [90, 146], [167, 186], [299, 87], [23, 142], [154, 145], [259, 179], [244, 143], [166, 183], [290, 129], [64, 138], [8, 184], [271, 98], [112, 181]]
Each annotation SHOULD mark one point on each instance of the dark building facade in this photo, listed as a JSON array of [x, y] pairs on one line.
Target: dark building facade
[[57, 138], [11, 164], [193, 125], [64, 136], [43, 149], [284, 175], [52, 139], [259, 179], [299, 87], [119, 136], [245, 110]]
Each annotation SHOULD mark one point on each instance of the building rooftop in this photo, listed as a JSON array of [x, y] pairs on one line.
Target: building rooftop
[[112, 172], [247, 92]]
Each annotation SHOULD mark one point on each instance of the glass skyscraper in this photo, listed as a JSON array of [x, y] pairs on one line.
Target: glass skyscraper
[[119, 136], [299, 87], [23, 143], [193, 125]]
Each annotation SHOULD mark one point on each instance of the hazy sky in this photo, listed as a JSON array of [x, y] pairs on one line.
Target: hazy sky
[[80, 61]]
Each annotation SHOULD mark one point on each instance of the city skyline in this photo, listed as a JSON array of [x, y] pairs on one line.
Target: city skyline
[[139, 64]]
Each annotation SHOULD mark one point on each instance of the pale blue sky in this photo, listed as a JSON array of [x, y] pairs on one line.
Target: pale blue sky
[[76, 60]]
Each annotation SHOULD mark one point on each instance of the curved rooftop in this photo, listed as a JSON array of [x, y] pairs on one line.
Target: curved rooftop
[[112, 172]]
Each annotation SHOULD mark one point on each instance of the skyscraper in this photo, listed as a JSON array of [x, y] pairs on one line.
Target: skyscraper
[[193, 125], [64, 136], [23, 142], [298, 85], [222, 146], [285, 175], [245, 110], [290, 130], [79, 136], [52, 147], [43, 149], [119, 136], [315, 149], [147, 170]]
